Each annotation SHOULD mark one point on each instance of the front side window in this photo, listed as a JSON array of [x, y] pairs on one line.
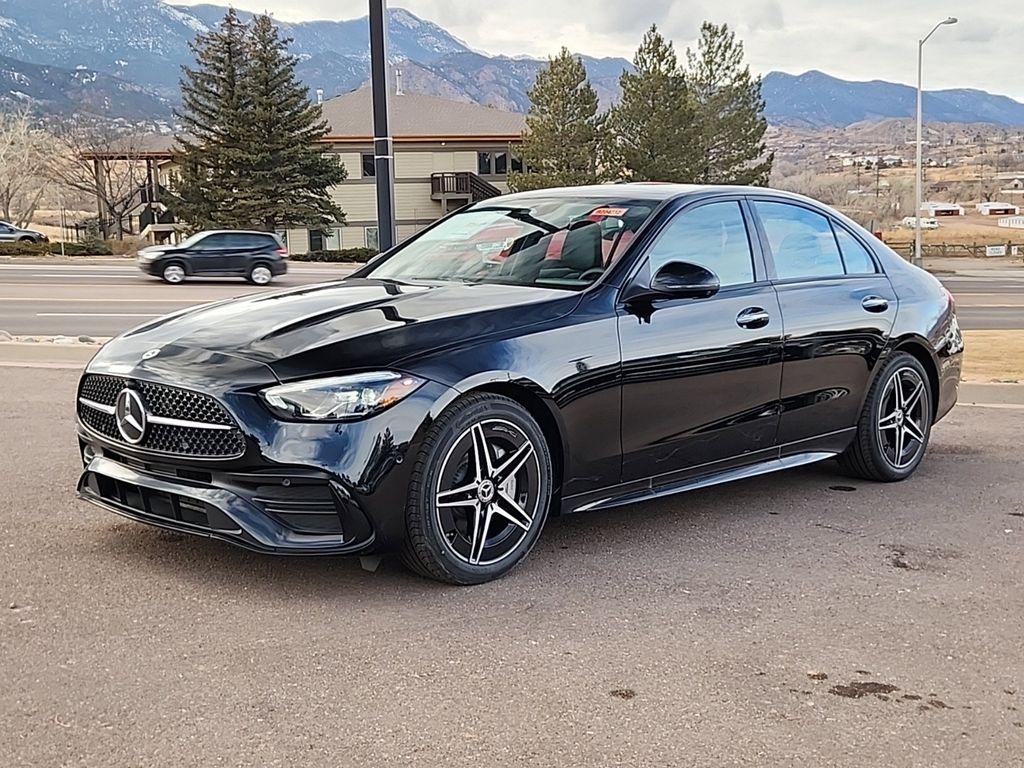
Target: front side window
[[555, 242], [801, 240], [713, 236]]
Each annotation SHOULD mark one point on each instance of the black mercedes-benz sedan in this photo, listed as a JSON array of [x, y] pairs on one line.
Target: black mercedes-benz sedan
[[535, 354]]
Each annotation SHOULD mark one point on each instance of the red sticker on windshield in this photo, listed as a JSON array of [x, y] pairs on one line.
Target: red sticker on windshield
[[611, 212]]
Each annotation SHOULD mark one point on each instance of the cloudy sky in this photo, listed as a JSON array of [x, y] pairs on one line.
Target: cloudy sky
[[861, 40]]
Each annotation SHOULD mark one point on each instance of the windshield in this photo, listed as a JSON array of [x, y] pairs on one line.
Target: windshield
[[556, 242]]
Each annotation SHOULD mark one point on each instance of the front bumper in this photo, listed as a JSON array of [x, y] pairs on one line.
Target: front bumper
[[298, 488]]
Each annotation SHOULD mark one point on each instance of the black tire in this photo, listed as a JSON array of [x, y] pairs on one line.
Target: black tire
[[439, 544], [260, 273], [873, 453], [174, 273]]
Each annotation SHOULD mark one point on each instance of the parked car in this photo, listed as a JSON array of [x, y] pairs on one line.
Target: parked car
[[926, 223], [12, 234], [257, 256], [635, 341]]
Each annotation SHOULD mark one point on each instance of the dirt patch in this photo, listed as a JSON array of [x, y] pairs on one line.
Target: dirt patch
[[860, 688], [623, 693], [994, 356]]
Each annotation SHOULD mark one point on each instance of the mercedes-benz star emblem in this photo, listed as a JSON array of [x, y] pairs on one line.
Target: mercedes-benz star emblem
[[131, 416]]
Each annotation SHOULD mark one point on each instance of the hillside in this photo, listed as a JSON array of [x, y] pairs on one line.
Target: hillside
[[817, 100], [129, 53]]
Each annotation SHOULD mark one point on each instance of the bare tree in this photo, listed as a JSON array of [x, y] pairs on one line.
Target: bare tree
[[97, 161], [23, 149]]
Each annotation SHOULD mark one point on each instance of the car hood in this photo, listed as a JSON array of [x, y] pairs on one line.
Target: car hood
[[334, 327]]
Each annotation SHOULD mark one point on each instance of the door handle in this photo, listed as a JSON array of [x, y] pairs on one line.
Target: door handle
[[752, 318], [875, 304]]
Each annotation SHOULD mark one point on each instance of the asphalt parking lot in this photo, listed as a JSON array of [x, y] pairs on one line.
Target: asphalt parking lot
[[802, 619]]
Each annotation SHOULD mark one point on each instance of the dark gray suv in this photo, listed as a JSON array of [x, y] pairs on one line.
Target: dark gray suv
[[257, 256]]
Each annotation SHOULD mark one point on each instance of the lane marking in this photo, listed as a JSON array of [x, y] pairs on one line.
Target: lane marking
[[1001, 406], [94, 314]]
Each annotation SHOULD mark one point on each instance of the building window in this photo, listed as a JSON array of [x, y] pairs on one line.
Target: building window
[[332, 239], [373, 238], [316, 240], [369, 166], [283, 234], [517, 164], [485, 163], [501, 163]]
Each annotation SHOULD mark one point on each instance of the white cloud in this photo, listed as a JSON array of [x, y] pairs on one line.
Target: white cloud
[[870, 39]]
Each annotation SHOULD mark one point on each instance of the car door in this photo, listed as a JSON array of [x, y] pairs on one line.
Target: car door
[[838, 309], [701, 377], [7, 233], [212, 254]]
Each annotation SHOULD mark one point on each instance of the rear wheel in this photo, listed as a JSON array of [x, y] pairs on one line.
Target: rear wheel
[[260, 274], [480, 492], [895, 425], [173, 273]]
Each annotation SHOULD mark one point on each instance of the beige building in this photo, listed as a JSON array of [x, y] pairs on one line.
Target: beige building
[[447, 154]]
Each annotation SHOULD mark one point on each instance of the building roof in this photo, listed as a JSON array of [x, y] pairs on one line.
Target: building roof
[[418, 117]]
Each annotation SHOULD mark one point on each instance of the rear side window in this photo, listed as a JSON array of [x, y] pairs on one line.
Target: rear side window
[[801, 240], [855, 256], [712, 236]]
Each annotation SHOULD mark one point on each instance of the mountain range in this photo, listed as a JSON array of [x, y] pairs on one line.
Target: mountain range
[[123, 58]]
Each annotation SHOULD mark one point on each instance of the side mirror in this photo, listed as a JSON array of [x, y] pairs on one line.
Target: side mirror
[[683, 280]]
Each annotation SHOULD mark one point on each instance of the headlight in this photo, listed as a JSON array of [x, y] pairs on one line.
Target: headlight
[[150, 255], [341, 398]]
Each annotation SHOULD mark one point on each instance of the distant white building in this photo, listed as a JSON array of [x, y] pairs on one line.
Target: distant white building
[[998, 209], [1012, 222], [935, 210]]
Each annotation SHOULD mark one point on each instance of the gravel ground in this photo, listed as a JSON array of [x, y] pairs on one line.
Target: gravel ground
[[802, 620]]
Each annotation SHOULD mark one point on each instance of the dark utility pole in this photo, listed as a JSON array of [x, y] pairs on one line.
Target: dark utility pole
[[383, 145]]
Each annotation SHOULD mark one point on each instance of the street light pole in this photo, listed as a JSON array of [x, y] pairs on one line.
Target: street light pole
[[919, 181], [383, 145]]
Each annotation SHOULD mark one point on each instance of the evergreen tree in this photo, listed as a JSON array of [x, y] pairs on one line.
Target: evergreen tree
[[249, 157], [211, 154], [564, 131], [730, 120], [652, 128], [289, 178]]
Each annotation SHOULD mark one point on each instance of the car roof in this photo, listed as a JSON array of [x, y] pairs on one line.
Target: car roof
[[236, 232], [655, 191]]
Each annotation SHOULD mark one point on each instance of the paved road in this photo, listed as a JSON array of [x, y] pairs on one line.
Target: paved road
[[676, 633], [105, 300]]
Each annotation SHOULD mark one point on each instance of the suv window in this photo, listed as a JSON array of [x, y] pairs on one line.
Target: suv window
[[855, 256], [213, 241], [713, 236], [802, 241]]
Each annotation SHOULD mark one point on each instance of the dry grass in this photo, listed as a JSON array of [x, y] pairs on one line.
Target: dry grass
[[994, 356]]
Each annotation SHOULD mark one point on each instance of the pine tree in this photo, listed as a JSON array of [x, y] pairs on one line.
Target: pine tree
[[652, 128], [211, 154], [730, 120], [250, 156], [564, 131], [289, 177]]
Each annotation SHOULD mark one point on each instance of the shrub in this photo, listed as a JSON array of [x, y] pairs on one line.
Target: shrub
[[53, 249], [349, 255]]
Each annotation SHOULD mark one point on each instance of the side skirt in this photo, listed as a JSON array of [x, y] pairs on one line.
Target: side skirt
[[630, 494]]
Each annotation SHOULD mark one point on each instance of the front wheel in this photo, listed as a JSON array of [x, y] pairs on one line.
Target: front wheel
[[895, 425], [480, 492], [173, 273]]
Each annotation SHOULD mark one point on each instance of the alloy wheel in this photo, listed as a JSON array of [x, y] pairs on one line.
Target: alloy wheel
[[903, 418], [487, 495], [174, 274], [261, 275]]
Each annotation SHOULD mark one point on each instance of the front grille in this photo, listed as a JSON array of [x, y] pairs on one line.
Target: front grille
[[161, 401], [146, 501]]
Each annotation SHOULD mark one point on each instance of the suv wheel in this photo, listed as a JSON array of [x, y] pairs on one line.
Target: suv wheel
[[895, 425], [173, 273], [480, 492], [260, 274]]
